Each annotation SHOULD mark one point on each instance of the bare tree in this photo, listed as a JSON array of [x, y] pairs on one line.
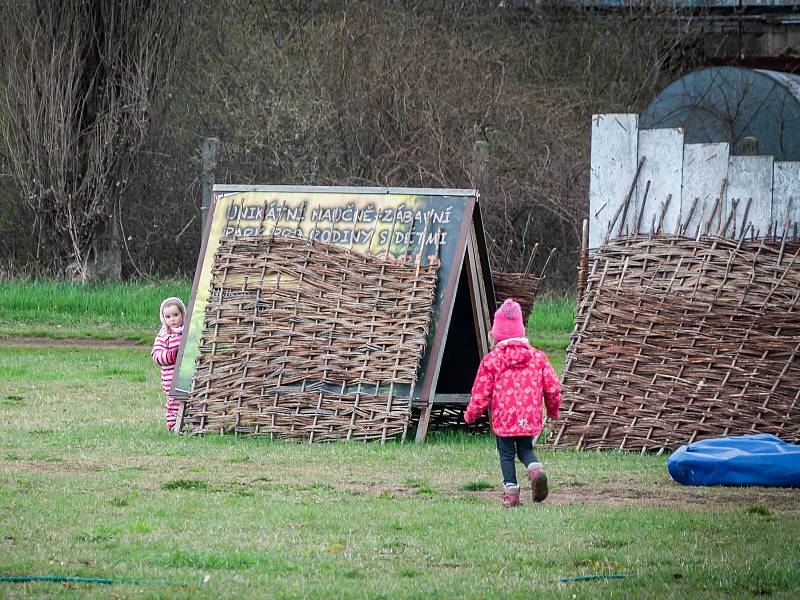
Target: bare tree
[[83, 80], [352, 92]]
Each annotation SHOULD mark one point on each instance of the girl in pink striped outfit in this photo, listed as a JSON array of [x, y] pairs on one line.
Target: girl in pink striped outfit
[[165, 350]]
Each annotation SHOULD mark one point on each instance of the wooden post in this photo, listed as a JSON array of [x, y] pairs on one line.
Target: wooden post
[[583, 264], [207, 180], [422, 426], [480, 161]]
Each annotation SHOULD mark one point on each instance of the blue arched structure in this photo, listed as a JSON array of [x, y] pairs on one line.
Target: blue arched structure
[[732, 104]]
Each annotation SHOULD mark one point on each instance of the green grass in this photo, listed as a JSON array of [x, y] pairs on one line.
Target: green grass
[[130, 311], [92, 485], [551, 323], [62, 310]]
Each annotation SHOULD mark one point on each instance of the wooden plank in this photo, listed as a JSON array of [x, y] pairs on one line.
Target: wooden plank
[[705, 170], [749, 180], [662, 150], [615, 139], [451, 398], [481, 313], [422, 426], [786, 195]]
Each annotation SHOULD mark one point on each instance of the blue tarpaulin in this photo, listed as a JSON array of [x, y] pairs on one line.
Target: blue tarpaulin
[[761, 459]]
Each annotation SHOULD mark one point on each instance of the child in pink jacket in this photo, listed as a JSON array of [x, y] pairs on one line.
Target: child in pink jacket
[[165, 350], [513, 377]]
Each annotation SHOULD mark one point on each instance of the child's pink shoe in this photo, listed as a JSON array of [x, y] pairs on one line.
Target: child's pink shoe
[[510, 495], [538, 479]]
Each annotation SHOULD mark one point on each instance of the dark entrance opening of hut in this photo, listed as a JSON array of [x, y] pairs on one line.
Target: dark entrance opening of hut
[[328, 313], [463, 346]]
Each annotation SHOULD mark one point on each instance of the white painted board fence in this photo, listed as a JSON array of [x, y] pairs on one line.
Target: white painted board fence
[[786, 195], [749, 194], [705, 171], [613, 167], [703, 182], [660, 177]]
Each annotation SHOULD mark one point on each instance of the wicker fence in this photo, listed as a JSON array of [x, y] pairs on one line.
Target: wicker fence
[[523, 287], [310, 341], [679, 339]]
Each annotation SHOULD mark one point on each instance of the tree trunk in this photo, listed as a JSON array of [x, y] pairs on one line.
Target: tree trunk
[[86, 79], [104, 261]]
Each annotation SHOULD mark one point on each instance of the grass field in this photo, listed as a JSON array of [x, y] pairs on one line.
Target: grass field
[[92, 485], [130, 311], [61, 310]]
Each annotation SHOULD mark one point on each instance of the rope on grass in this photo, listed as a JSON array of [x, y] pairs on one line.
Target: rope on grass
[[591, 578], [103, 580], [60, 579]]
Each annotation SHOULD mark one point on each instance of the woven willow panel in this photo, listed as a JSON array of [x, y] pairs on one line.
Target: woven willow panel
[[310, 341], [680, 339], [520, 286]]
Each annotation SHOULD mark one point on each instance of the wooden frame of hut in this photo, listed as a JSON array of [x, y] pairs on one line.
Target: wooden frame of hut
[[325, 313]]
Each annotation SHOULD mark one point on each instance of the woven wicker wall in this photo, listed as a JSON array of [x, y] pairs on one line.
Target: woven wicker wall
[[681, 339], [309, 340], [520, 286]]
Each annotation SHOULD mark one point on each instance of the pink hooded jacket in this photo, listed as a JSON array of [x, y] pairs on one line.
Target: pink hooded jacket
[[513, 377]]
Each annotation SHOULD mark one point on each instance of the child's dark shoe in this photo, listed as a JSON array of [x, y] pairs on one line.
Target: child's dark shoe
[[538, 481], [510, 495]]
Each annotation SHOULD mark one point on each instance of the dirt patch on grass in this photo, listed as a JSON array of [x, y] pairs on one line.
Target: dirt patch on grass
[[625, 491], [760, 501], [387, 490], [81, 342], [247, 478], [668, 494]]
